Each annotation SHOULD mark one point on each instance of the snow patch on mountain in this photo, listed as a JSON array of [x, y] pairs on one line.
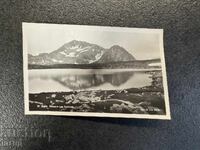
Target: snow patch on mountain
[[99, 55], [73, 47], [57, 61], [80, 52], [83, 49], [71, 54]]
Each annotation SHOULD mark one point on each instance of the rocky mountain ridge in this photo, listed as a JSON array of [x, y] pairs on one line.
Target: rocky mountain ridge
[[80, 52]]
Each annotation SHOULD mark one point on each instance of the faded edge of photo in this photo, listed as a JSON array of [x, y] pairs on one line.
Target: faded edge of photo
[[27, 111]]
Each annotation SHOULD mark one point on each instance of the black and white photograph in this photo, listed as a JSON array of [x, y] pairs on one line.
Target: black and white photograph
[[94, 71]]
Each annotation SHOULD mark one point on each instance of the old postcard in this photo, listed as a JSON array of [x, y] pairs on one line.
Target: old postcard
[[97, 71]]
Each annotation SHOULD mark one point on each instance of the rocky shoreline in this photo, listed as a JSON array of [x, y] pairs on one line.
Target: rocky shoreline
[[145, 100]]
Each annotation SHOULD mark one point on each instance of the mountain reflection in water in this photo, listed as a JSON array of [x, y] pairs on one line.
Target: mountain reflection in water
[[49, 81], [77, 82]]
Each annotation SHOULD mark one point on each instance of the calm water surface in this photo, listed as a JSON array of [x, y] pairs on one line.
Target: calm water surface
[[63, 80]]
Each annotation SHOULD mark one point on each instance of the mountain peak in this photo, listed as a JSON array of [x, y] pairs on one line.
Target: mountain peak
[[81, 52], [116, 47], [77, 42], [74, 41]]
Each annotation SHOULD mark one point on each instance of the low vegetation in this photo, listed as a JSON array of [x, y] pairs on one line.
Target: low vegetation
[[145, 100]]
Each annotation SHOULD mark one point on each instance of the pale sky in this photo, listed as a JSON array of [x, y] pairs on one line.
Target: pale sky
[[45, 38]]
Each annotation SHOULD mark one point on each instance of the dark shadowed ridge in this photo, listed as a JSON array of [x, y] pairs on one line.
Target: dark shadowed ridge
[[116, 54]]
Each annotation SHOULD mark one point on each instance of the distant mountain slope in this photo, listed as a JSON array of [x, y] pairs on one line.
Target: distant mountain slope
[[115, 54], [74, 52], [80, 52]]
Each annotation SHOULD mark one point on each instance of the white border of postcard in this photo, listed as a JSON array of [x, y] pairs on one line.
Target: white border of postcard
[[94, 114]]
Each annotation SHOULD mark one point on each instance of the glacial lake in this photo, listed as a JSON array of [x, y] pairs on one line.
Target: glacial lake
[[64, 80]]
